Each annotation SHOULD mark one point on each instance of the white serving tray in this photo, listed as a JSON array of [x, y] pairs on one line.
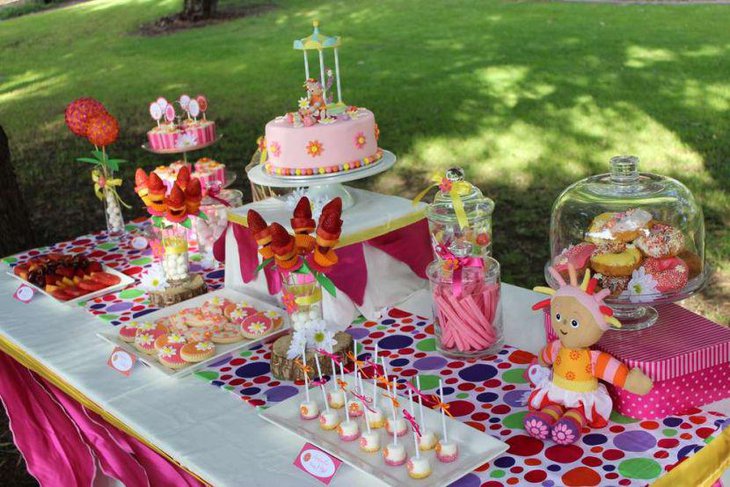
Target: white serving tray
[[125, 281], [221, 349], [475, 447]]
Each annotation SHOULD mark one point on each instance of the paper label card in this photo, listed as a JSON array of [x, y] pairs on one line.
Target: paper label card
[[317, 463], [24, 293], [122, 361]]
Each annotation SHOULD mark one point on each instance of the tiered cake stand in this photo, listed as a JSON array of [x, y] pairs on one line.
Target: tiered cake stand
[[327, 186]]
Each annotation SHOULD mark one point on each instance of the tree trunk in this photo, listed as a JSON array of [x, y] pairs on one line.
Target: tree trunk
[[199, 9], [15, 226]]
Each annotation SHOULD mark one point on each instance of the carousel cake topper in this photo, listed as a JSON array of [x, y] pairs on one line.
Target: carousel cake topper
[[318, 106]]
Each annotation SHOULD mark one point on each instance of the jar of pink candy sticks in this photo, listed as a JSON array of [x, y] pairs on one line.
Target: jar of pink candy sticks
[[466, 306]]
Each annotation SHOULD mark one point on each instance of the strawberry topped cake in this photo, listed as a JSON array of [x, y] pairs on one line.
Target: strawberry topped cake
[[323, 136], [177, 132]]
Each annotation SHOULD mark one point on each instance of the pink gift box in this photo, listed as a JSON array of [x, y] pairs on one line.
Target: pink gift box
[[687, 356]]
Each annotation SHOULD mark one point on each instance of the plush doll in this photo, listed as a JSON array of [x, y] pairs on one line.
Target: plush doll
[[561, 405]]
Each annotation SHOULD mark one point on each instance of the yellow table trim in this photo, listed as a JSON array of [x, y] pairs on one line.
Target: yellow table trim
[[19, 355], [703, 468], [363, 235]]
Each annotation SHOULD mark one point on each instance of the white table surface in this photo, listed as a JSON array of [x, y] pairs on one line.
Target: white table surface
[[205, 429]]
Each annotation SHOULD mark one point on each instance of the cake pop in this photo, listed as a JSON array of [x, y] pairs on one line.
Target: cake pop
[[394, 424], [446, 451], [349, 430], [328, 419], [428, 439], [418, 467], [308, 409]]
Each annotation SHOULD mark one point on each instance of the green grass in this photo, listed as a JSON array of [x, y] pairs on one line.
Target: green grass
[[28, 7], [527, 96]]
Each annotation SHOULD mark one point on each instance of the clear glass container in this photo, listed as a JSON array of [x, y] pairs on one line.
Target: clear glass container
[[475, 238], [642, 235], [302, 297], [112, 207], [216, 210], [467, 307], [175, 257]]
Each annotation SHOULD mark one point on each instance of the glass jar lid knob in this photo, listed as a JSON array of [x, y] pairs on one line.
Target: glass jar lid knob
[[455, 174], [624, 169]]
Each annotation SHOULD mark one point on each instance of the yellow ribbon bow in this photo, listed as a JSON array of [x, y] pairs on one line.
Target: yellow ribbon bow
[[101, 182], [384, 381], [343, 385], [393, 399], [456, 190]]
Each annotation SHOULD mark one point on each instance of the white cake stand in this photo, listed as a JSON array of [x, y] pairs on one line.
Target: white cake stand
[[327, 186]]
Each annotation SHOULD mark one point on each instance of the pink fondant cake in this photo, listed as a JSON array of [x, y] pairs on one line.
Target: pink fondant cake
[[323, 136], [348, 142]]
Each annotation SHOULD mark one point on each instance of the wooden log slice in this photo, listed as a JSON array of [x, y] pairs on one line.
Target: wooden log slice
[[284, 369], [178, 291]]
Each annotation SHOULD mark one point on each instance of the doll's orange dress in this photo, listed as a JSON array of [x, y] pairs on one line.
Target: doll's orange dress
[[574, 382]]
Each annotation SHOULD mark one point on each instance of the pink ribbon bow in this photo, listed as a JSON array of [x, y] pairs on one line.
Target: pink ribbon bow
[[457, 265], [366, 401], [214, 191], [416, 391], [335, 358], [414, 424]]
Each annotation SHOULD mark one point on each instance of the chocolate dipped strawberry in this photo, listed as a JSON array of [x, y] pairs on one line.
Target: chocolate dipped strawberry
[[261, 233], [176, 210]]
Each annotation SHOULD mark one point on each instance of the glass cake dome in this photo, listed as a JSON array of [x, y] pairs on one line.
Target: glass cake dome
[[642, 235], [472, 236]]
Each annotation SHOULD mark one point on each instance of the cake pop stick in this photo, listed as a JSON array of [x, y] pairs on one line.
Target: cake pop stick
[[321, 384], [443, 413], [304, 370], [415, 430], [344, 389], [307, 409], [420, 401]]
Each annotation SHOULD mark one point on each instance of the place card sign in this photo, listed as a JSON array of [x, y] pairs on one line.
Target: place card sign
[[122, 361], [24, 293], [317, 463]]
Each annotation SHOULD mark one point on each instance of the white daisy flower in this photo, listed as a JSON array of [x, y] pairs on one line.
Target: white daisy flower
[[298, 341], [204, 346], [271, 314], [303, 103], [167, 351], [186, 140], [641, 286], [153, 279], [318, 336]]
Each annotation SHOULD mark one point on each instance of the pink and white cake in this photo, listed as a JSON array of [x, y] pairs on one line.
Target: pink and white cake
[[172, 134], [323, 136]]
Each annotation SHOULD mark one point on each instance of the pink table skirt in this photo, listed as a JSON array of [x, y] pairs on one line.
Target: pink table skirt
[[63, 442]]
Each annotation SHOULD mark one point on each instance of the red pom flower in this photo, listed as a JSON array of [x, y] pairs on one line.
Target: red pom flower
[[80, 111], [102, 130]]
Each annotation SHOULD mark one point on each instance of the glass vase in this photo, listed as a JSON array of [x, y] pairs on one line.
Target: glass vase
[[175, 258], [112, 207], [467, 309], [208, 231], [302, 296]]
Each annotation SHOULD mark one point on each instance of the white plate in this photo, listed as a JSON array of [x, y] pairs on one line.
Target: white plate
[[125, 281], [475, 447], [220, 349]]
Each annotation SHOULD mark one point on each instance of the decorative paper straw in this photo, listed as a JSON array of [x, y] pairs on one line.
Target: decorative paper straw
[[321, 386]]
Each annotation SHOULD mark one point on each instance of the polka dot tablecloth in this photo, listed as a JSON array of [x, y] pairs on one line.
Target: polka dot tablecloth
[[488, 395]]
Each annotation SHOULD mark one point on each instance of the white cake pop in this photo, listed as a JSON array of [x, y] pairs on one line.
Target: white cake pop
[[428, 439], [370, 441], [348, 430], [418, 468], [394, 455], [308, 409]]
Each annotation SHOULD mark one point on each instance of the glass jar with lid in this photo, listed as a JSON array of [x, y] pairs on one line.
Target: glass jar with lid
[[460, 217], [215, 207], [641, 235]]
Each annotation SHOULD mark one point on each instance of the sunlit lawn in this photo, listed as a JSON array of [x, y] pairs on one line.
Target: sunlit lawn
[[528, 97]]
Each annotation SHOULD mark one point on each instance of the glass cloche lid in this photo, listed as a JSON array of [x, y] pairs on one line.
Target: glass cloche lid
[[642, 235]]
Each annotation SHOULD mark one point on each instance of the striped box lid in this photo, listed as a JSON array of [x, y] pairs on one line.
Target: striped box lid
[[679, 343]]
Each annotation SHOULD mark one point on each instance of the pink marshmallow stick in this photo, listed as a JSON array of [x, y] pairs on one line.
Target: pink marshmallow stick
[[454, 324], [446, 334]]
